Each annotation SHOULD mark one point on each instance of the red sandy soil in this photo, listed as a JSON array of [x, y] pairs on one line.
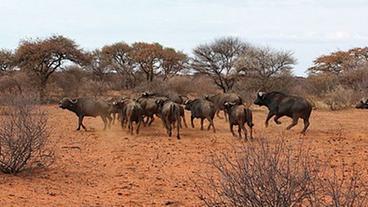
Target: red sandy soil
[[112, 168]]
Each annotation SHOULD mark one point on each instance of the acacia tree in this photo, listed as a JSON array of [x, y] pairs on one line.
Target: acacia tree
[[7, 61], [340, 62], [147, 57], [98, 66], [119, 58], [218, 60], [173, 62], [42, 57], [264, 65]]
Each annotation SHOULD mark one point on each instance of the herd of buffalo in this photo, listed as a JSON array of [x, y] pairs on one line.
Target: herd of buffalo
[[171, 110]]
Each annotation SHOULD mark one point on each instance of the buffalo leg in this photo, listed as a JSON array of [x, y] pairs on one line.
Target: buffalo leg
[[306, 125], [168, 127], [225, 115], [104, 121], [232, 130], [113, 118], [131, 127], [245, 132], [138, 126], [201, 123], [276, 119], [210, 121], [293, 123], [251, 132], [178, 129], [110, 120], [269, 116], [239, 131], [151, 120], [80, 123], [185, 122], [191, 121], [211, 124]]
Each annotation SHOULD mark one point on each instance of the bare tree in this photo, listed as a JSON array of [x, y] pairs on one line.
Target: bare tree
[[6, 60], [218, 60], [41, 58], [265, 65], [98, 66]]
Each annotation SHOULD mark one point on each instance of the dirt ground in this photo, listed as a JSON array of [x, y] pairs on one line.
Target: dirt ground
[[112, 168]]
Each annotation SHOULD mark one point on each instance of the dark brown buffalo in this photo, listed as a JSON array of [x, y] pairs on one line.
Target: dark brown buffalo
[[87, 107], [239, 115], [150, 107], [130, 112], [220, 99], [170, 116], [114, 111], [202, 109], [280, 104]]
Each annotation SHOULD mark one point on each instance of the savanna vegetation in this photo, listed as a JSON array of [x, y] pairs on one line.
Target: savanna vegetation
[[57, 66]]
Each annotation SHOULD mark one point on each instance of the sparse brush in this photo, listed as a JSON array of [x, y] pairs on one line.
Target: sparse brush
[[262, 174], [24, 138]]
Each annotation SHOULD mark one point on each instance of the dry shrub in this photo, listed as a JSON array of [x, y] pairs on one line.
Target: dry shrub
[[319, 85], [340, 98], [15, 83], [93, 88], [182, 85], [24, 137], [344, 189], [262, 174]]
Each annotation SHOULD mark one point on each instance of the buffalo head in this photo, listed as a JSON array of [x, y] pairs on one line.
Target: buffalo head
[[260, 100], [363, 104], [67, 103], [228, 105]]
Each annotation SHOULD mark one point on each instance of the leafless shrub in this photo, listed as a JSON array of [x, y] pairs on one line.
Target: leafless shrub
[[261, 175], [264, 174], [344, 189], [24, 137]]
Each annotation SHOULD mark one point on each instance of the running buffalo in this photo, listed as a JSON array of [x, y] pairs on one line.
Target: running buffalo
[[280, 104]]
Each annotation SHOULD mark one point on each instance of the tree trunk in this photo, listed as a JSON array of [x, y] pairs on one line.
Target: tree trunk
[[42, 89]]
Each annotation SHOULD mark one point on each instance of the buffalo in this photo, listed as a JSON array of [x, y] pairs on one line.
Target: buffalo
[[176, 98], [280, 104], [170, 116], [114, 111], [150, 106], [202, 109], [219, 100], [363, 104], [130, 111], [239, 115], [87, 107]]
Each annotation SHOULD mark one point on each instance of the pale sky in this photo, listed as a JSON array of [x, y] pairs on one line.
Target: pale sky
[[308, 28]]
